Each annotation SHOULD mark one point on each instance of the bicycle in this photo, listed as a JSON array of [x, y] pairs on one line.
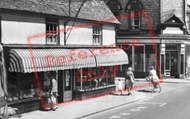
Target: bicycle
[[155, 85]]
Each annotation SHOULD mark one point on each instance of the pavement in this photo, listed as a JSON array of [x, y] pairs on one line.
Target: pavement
[[87, 107]]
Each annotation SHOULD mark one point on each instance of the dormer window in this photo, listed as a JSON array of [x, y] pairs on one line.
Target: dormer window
[[115, 7], [133, 8]]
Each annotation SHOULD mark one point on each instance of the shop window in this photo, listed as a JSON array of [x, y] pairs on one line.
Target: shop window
[[93, 78], [134, 7], [150, 57], [52, 33], [139, 58], [97, 34], [22, 86]]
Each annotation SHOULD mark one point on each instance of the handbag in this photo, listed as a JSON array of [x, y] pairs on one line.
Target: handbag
[[131, 79]]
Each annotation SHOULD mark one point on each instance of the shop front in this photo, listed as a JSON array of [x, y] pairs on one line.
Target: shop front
[[143, 53], [173, 57], [26, 68], [79, 72], [100, 80]]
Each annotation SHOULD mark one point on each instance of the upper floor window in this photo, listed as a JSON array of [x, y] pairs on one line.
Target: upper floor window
[[115, 7], [134, 8], [52, 33], [97, 34]]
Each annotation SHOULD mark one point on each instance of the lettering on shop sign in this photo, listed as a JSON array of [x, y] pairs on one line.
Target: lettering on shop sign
[[92, 74], [172, 41]]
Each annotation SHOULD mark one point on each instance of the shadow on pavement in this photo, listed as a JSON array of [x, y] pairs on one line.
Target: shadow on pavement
[[120, 95], [145, 91]]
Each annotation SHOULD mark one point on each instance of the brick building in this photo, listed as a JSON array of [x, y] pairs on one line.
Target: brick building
[[156, 34]]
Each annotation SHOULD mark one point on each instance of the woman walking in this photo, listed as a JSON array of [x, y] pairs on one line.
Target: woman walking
[[49, 92], [129, 80]]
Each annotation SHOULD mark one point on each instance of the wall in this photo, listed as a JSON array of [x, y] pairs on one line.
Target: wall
[[151, 6], [83, 35], [108, 35], [77, 35], [16, 28]]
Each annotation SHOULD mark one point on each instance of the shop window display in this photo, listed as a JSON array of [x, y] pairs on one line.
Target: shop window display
[[21, 86], [93, 78]]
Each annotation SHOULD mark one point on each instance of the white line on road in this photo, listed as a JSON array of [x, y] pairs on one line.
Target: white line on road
[[158, 103], [142, 107], [135, 109], [125, 113], [162, 104], [114, 117]]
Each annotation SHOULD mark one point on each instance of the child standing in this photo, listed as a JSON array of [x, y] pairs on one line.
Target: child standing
[[120, 86]]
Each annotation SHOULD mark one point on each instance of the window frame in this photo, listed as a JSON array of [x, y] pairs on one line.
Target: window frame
[[115, 11], [97, 34], [53, 31], [134, 12]]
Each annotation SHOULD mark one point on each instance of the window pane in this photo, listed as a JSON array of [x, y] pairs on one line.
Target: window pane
[[52, 33], [97, 29], [139, 58]]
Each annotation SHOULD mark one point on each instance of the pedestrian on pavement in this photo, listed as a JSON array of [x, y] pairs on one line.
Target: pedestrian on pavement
[[54, 93], [120, 86], [50, 92], [46, 89], [129, 80]]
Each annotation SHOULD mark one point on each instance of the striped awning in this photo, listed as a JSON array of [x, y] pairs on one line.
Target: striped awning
[[110, 56], [37, 60]]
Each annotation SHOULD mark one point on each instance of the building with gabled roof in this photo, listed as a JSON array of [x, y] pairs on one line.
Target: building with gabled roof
[[156, 33], [74, 41]]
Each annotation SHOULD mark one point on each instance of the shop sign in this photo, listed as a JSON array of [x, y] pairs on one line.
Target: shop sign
[[172, 41]]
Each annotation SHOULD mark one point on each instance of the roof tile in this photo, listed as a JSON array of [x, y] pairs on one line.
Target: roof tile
[[91, 10]]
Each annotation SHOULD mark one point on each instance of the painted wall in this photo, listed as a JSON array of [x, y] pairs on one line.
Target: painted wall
[[172, 30], [83, 35], [16, 28], [109, 35], [77, 35]]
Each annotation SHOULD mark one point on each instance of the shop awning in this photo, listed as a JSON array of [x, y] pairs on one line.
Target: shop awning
[[110, 56], [37, 60]]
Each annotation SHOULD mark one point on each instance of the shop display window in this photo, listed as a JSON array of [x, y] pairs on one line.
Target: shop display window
[[93, 78], [21, 86]]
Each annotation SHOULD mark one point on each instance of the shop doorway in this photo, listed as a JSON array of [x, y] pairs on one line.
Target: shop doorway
[[67, 85], [171, 64]]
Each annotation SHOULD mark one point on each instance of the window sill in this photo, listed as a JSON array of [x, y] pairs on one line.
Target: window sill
[[23, 100], [95, 88]]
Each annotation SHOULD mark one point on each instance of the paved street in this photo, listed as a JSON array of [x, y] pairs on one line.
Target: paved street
[[91, 108], [172, 104]]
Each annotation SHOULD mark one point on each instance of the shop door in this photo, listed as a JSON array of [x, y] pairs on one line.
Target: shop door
[[167, 64], [67, 95], [171, 63], [173, 71]]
